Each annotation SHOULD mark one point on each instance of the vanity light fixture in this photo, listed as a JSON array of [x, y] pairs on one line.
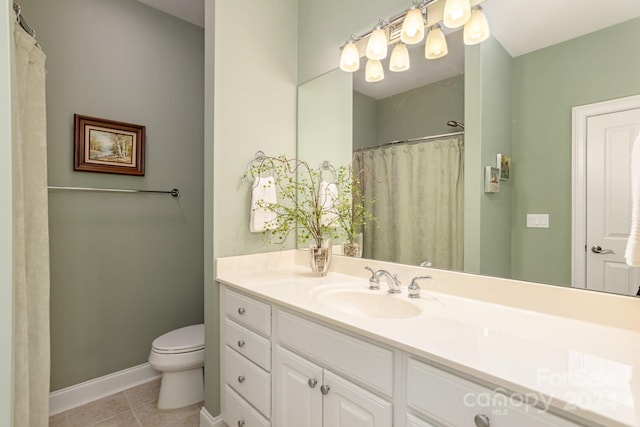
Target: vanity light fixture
[[456, 13], [408, 27], [374, 71], [476, 30], [399, 58], [436, 45], [377, 46], [412, 26], [350, 58]]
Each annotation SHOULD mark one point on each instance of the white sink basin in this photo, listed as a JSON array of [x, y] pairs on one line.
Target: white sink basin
[[363, 303]]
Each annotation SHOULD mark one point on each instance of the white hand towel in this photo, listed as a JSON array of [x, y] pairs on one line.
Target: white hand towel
[[264, 189], [328, 199], [632, 253]]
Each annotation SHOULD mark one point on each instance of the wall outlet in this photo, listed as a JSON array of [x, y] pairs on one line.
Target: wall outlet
[[537, 220]]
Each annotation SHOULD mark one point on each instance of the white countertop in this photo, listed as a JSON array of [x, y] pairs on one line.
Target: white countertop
[[573, 366]]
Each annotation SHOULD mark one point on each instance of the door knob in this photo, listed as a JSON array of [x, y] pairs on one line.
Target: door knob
[[312, 382], [597, 249], [324, 389]]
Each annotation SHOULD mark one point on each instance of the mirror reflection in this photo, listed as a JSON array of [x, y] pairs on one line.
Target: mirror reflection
[[515, 97]]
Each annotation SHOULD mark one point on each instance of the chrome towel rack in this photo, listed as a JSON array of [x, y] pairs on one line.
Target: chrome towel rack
[[174, 192]]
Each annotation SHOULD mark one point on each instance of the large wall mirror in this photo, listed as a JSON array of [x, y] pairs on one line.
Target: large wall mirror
[[514, 95]]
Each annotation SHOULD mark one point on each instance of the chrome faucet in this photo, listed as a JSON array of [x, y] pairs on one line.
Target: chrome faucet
[[414, 288], [392, 280]]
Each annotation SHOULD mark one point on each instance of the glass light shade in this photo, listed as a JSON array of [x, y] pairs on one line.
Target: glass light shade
[[350, 58], [377, 45], [476, 30], [373, 71], [412, 27], [399, 58], [456, 13], [436, 45]]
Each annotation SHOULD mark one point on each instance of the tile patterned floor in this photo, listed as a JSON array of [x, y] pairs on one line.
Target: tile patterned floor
[[136, 407]]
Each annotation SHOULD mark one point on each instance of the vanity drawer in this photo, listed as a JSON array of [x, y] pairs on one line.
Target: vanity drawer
[[237, 412], [251, 382], [417, 422], [246, 310], [449, 399], [363, 362], [248, 343]]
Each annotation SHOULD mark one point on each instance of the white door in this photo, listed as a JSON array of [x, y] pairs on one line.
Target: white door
[[298, 401], [608, 193], [347, 405]]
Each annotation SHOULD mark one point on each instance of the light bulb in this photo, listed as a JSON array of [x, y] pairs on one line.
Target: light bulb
[[399, 58], [377, 45], [374, 71], [412, 27], [350, 58], [476, 30], [456, 13], [436, 45]]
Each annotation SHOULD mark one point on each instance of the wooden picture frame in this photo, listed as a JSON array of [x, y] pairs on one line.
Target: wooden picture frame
[[107, 146]]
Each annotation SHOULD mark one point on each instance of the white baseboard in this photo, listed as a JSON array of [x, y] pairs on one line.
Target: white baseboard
[[88, 391], [207, 420]]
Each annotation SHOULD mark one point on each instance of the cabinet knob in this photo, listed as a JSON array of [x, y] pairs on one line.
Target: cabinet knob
[[481, 420], [241, 379], [324, 389], [240, 423], [241, 310], [312, 382], [240, 343]]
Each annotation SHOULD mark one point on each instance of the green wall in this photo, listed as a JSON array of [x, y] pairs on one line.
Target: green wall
[[324, 26], [546, 85], [125, 268], [251, 107], [325, 128], [488, 82], [6, 243], [421, 111]]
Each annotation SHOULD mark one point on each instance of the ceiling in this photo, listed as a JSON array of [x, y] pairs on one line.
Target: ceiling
[[187, 10], [521, 26]]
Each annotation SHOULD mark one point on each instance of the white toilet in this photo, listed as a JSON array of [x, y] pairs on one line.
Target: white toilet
[[179, 355]]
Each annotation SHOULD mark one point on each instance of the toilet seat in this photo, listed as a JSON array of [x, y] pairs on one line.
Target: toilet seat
[[184, 340]]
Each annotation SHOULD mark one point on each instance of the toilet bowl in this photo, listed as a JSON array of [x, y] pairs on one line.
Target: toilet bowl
[[179, 356]]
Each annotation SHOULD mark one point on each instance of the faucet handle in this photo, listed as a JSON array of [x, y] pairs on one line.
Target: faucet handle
[[374, 282], [414, 288]]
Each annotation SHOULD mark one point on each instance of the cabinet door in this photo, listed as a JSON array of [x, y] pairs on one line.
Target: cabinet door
[[298, 401], [347, 405]]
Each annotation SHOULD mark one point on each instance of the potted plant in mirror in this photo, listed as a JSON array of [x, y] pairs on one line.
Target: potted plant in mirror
[[300, 208], [352, 215]]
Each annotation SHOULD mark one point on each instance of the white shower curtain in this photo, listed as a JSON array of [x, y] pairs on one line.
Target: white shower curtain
[[30, 235], [417, 193]]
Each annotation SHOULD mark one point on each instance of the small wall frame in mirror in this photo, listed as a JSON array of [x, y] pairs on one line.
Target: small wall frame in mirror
[[491, 180]]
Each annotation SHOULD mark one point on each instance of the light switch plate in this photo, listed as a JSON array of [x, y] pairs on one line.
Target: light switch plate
[[537, 220]]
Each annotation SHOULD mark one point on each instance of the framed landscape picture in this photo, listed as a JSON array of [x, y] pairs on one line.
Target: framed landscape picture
[[108, 146], [504, 164]]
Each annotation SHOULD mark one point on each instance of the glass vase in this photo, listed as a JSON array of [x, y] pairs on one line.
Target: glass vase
[[354, 248], [320, 256]]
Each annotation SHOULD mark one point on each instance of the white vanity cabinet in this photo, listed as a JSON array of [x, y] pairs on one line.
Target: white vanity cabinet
[[453, 401], [246, 360], [308, 395], [316, 393], [285, 369]]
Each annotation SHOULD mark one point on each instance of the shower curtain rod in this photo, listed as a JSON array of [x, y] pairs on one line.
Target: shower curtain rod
[[22, 21], [174, 192], [410, 141]]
